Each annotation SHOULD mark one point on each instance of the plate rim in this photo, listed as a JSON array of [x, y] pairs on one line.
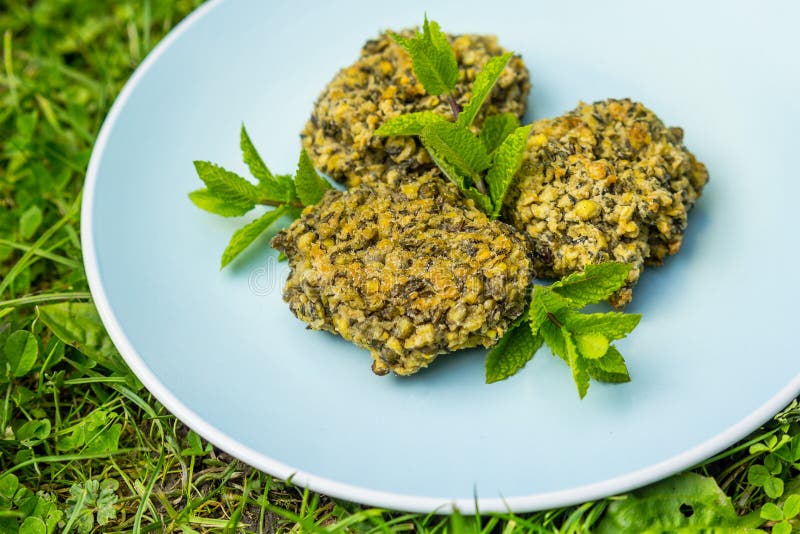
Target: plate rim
[[359, 494]]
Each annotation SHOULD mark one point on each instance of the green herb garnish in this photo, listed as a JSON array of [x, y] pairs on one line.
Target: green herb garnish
[[582, 340], [230, 195], [482, 167], [433, 60]]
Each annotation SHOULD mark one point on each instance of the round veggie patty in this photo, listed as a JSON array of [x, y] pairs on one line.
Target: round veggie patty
[[604, 182], [407, 271], [339, 136]]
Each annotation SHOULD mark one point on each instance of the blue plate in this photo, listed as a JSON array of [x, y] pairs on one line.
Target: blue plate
[[713, 357]]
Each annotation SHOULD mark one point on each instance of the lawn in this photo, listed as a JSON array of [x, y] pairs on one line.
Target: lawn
[[84, 448]]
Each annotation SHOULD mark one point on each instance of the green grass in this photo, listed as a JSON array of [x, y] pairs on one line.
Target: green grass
[[84, 448]]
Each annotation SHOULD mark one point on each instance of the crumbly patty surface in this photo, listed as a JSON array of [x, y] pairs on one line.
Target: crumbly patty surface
[[604, 182], [407, 271], [339, 136]]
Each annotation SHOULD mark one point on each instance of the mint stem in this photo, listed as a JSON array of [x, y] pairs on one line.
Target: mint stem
[[554, 320], [454, 107]]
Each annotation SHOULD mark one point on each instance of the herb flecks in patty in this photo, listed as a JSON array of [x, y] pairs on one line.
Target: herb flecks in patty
[[408, 271], [604, 182], [340, 136]]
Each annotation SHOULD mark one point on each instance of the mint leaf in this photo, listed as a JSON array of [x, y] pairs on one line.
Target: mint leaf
[[453, 173], [609, 368], [544, 304], [227, 186], [496, 128], [482, 86], [511, 353], [433, 60], [595, 284], [275, 188], [591, 345], [581, 340], [252, 158], [580, 373], [434, 36], [408, 124], [244, 236], [458, 146], [205, 200], [613, 325], [309, 185], [483, 202], [506, 162], [554, 338]]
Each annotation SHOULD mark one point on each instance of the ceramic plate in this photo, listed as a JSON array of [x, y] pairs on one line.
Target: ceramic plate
[[713, 357]]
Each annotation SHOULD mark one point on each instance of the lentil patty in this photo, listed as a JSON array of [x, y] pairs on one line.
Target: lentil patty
[[407, 271], [604, 182], [339, 136]]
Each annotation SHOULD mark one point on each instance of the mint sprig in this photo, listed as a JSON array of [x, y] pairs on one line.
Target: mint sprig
[[230, 195], [482, 167], [582, 340]]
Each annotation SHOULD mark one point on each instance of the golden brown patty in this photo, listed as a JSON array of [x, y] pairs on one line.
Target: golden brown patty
[[340, 137], [604, 182], [407, 271]]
